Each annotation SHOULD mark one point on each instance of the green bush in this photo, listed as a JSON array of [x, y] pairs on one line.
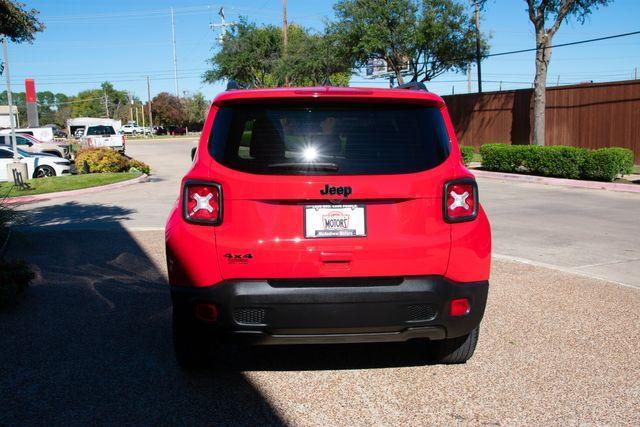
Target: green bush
[[503, 158], [14, 278], [101, 160], [105, 160], [556, 161], [467, 154], [604, 164], [137, 165]]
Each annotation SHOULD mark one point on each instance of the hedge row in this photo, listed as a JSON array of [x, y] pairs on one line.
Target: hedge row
[[105, 160], [467, 154], [604, 164]]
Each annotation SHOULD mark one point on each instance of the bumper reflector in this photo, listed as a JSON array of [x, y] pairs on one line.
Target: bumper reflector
[[459, 307], [207, 312]]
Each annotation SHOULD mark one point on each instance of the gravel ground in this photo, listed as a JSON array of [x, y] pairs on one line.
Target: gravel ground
[[90, 343]]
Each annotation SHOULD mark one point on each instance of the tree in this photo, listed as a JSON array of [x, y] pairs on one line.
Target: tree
[[253, 56], [553, 12], [433, 36], [168, 110], [19, 101], [18, 23], [195, 110], [248, 55], [91, 103]]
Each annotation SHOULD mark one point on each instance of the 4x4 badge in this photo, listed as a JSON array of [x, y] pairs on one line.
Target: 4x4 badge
[[341, 191]]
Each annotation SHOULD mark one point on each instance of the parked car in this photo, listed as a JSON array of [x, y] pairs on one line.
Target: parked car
[[159, 130], [32, 145], [176, 130], [103, 136], [133, 129], [44, 134], [38, 165], [328, 215]]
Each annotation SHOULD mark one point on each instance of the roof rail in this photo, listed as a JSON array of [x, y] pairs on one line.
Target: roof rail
[[233, 85], [413, 86]]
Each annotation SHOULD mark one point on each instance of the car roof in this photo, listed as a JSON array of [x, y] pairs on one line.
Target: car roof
[[329, 93]]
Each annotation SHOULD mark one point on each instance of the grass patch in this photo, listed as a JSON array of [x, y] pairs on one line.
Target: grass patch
[[477, 158], [65, 183], [636, 169]]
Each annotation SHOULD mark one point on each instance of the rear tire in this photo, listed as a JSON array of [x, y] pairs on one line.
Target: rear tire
[[454, 350], [190, 342], [44, 171]]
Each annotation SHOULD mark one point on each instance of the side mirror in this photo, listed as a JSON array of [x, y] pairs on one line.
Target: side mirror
[[193, 152]]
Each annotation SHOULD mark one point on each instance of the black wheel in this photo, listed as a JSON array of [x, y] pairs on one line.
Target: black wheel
[[191, 343], [44, 171], [454, 350]]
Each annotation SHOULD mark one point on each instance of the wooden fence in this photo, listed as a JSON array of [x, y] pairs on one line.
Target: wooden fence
[[593, 115]]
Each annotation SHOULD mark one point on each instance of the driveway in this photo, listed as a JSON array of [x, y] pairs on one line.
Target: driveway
[[591, 232], [90, 342]]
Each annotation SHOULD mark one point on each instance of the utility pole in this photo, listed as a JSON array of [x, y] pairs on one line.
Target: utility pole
[[478, 58], [285, 38], [469, 78], [149, 104], [222, 25], [635, 73], [175, 61], [5, 63], [106, 103], [558, 81], [137, 117]]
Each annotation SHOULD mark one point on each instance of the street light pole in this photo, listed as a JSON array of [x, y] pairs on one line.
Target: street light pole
[[5, 60]]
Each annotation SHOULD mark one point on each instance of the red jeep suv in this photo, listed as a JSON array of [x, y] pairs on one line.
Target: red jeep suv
[[328, 215]]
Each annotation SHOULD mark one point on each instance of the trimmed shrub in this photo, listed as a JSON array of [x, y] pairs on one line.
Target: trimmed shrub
[[101, 160], [504, 158], [467, 154], [104, 160], [137, 165], [556, 161], [605, 164]]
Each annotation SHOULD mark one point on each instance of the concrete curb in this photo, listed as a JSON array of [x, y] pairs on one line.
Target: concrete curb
[[594, 185], [78, 192]]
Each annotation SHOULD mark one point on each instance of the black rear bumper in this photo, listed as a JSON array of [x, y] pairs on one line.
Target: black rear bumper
[[335, 310]]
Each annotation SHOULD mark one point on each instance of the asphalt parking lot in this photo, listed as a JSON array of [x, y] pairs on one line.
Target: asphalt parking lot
[[90, 342]]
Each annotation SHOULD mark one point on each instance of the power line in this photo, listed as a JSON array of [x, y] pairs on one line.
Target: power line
[[513, 52]]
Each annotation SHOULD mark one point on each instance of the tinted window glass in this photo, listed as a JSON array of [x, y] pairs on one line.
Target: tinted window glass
[[100, 130], [4, 154], [22, 141], [329, 139]]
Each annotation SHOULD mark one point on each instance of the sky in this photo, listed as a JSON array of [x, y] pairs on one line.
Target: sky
[[87, 42]]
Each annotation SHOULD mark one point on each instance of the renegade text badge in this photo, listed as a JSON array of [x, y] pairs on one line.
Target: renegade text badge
[[331, 190]]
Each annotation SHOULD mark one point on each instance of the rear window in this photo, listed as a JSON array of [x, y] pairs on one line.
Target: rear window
[[100, 130], [329, 139]]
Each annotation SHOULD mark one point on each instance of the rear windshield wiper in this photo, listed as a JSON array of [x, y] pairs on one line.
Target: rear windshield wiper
[[305, 166]]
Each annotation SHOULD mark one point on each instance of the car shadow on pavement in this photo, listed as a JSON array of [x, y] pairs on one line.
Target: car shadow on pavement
[[325, 357], [90, 342]]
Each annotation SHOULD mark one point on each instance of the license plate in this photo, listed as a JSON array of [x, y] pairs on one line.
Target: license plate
[[334, 221]]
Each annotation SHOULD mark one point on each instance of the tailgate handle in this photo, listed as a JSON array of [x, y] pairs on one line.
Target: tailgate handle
[[336, 257]]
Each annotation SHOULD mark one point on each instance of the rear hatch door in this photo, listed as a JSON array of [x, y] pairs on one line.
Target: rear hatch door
[[330, 190]]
